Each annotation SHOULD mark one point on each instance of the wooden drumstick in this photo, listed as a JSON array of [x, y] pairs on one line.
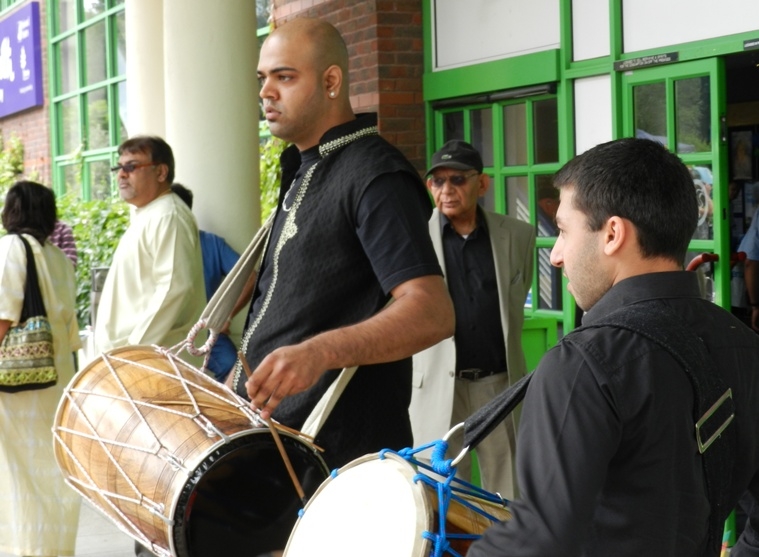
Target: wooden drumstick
[[288, 464], [278, 442]]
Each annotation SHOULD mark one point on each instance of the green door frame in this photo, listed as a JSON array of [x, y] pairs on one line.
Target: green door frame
[[715, 157]]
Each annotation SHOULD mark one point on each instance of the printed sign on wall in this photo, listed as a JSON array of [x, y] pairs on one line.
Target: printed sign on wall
[[20, 60]]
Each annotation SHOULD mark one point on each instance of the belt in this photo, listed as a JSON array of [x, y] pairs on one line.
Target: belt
[[474, 374]]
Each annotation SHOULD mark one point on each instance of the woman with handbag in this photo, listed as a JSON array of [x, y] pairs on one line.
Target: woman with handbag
[[39, 513]]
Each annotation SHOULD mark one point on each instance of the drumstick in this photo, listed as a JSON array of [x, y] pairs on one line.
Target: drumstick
[[278, 441], [244, 362], [288, 464]]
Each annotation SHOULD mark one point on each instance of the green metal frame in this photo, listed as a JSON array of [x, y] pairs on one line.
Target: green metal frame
[[716, 157], [557, 66], [6, 4], [83, 156]]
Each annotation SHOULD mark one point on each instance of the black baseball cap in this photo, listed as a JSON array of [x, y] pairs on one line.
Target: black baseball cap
[[457, 154]]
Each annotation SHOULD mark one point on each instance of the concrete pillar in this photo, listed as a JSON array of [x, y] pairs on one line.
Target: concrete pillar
[[210, 57], [144, 67]]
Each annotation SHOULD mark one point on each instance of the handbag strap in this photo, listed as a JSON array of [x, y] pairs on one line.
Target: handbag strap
[[33, 304]]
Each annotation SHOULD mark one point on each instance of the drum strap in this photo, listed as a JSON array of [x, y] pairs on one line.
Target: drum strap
[[218, 311], [321, 411], [713, 408]]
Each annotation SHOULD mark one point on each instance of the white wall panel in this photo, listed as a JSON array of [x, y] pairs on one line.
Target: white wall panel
[[658, 23], [590, 29], [592, 112], [472, 31]]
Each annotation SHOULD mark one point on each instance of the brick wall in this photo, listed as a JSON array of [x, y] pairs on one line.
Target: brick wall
[[384, 39], [33, 125]]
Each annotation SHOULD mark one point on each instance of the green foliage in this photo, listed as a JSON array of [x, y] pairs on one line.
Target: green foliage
[[11, 164], [98, 226], [270, 150]]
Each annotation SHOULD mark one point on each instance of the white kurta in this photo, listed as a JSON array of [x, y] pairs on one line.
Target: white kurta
[[39, 513], [154, 292]]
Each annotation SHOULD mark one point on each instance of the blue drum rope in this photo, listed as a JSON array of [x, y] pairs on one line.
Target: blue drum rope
[[446, 491]]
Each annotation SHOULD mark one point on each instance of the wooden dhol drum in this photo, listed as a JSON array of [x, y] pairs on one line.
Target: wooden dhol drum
[[374, 506], [178, 461]]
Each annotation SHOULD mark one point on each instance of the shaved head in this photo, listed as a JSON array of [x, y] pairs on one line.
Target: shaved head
[[303, 75], [320, 40]]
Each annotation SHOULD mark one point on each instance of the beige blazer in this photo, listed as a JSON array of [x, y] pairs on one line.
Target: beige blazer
[[513, 244]]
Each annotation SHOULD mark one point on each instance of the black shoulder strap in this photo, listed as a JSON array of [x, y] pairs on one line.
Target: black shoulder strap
[[33, 303], [713, 407]]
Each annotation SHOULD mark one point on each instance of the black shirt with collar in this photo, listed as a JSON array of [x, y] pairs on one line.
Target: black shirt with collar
[[471, 276], [606, 453]]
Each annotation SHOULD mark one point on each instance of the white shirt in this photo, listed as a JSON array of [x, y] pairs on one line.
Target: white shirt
[[154, 292]]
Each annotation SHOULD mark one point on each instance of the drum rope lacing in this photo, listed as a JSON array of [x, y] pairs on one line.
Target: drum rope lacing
[[88, 486], [447, 490]]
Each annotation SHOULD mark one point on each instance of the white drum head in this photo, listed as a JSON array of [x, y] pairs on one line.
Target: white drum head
[[372, 508]]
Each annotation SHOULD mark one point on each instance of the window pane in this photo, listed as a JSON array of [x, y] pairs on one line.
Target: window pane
[[482, 133], [115, 2], [97, 118], [120, 44], [72, 179], [487, 201], [123, 113], [67, 56], [650, 111], [94, 38], [100, 179], [262, 13], [453, 126], [549, 281], [703, 182], [546, 131], [93, 8], [692, 115], [517, 198], [706, 275], [515, 134], [70, 133], [547, 201], [66, 15]]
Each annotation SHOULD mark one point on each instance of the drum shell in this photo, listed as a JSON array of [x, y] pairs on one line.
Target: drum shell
[[136, 430]]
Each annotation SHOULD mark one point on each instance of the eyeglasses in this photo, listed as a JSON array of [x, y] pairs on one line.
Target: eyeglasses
[[130, 167], [455, 179]]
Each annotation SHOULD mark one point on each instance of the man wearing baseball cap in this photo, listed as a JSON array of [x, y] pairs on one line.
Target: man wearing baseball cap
[[487, 259]]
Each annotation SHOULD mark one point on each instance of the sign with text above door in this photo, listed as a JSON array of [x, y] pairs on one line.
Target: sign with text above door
[[20, 60]]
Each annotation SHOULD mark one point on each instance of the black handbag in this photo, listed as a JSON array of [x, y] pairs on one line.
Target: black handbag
[[26, 353]]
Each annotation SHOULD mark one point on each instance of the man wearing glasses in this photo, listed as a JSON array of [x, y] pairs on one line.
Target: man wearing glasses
[[153, 293], [487, 261]]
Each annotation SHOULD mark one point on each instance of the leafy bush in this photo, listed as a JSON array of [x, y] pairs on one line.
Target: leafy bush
[[11, 164], [270, 150], [98, 226]]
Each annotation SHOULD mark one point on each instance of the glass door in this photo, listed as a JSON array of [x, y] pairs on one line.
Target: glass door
[[683, 106]]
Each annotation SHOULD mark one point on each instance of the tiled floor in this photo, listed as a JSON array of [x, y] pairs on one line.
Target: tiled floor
[[98, 536]]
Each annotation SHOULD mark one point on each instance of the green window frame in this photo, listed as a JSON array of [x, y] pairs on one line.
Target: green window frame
[[520, 143], [5, 4], [88, 102]]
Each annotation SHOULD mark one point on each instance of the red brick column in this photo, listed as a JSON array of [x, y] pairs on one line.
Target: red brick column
[[384, 39]]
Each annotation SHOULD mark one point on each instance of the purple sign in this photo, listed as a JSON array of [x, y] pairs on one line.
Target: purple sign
[[20, 60]]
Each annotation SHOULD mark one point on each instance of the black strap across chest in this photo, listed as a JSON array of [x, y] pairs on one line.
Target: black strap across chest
[[713, 408]]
